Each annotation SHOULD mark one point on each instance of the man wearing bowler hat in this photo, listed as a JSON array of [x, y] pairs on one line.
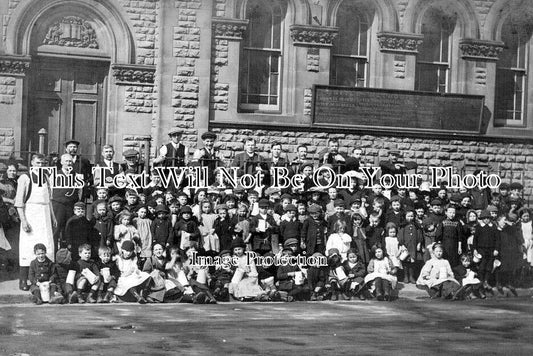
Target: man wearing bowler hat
[[80, 165], [174, 153]]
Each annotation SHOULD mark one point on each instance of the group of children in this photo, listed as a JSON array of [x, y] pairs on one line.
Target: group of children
[[144, 247]]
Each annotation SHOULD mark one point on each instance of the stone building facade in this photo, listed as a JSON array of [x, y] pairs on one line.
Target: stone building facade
[[125, 71]]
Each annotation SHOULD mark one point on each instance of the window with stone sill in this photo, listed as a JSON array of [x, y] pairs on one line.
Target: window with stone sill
[[511, 74], [433, 60], [260, 72], [349, 64]]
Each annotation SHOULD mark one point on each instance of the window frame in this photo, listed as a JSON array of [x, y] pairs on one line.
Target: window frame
[[357, 59], [517, 72], [440, 65], [247, 50]]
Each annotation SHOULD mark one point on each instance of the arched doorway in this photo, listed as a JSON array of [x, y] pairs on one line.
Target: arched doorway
[[68, 84], [72, 44]]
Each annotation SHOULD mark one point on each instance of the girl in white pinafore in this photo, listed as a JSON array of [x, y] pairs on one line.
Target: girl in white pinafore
[[38, 212]]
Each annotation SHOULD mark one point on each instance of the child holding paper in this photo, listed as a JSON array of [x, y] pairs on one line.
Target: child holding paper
[[43, 276], [437, 277], [88, 277]]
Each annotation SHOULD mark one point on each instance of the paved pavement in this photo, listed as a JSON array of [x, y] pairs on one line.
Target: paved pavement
[[403, 327]]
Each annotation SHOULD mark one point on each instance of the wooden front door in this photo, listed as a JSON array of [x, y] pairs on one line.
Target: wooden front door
[[67, 98]]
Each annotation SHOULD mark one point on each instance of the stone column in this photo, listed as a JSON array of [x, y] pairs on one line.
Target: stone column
[[13, 93], [225, 62], [481, 57], [399, 67], [312, 46]]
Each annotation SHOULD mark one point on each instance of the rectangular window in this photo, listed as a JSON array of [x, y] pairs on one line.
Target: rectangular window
[[433, 60], [511, 76], [261, 61], [349, 66]]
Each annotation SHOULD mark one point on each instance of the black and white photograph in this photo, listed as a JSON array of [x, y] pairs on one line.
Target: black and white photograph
[[258, 177]]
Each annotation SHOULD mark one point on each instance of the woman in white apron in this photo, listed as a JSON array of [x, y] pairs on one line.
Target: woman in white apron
[[36, 219]]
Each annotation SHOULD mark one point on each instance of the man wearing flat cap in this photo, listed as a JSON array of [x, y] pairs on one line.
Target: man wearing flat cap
[[174, 153], [208, 156], [132, 164]]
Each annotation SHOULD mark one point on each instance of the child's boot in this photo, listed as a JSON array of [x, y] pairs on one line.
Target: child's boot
[[100, 298], [139, 297], [107, 297], [412, 275], [81, 298], [92, 297], [36, 297], [73, 297], [313, 297], [334, 296]]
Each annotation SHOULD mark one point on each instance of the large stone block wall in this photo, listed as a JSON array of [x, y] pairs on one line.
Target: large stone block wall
[[512, 161], [186, 84], [7, 90], [139, 99], [7, 142], [143, 17]]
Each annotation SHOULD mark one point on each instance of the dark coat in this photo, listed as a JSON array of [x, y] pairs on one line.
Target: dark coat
[[162, 232], [410, 236], [189, 226], [450, 234], [105, 227], [42, 271], [79, 231], [261, 241], [224, 230], [511, 244], [289, 230], [360, 245], [312, 231], [286, 282], [359, 271], [374, 237]]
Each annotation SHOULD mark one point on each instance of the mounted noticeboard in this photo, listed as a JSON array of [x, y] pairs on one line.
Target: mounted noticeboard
[[397, 110]]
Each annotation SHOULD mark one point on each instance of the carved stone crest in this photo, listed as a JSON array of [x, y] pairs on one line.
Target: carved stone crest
[[229, 28], [14, 65], [398, 42], [480, 49], [71, 31], [305, 35], [133, 73]]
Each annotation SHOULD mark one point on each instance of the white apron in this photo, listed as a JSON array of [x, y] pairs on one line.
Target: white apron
[[37, 211]]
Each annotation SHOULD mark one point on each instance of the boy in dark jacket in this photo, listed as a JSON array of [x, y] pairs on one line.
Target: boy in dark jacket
[[88, 276], [109, 275], [288, 278], [264, 229], [290, 228], [79, 231], [42, 270], [64, 267], [312, 235], [466, 274], [486, 242]]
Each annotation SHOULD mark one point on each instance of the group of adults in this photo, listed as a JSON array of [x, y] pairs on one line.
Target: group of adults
[[43, 211]]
